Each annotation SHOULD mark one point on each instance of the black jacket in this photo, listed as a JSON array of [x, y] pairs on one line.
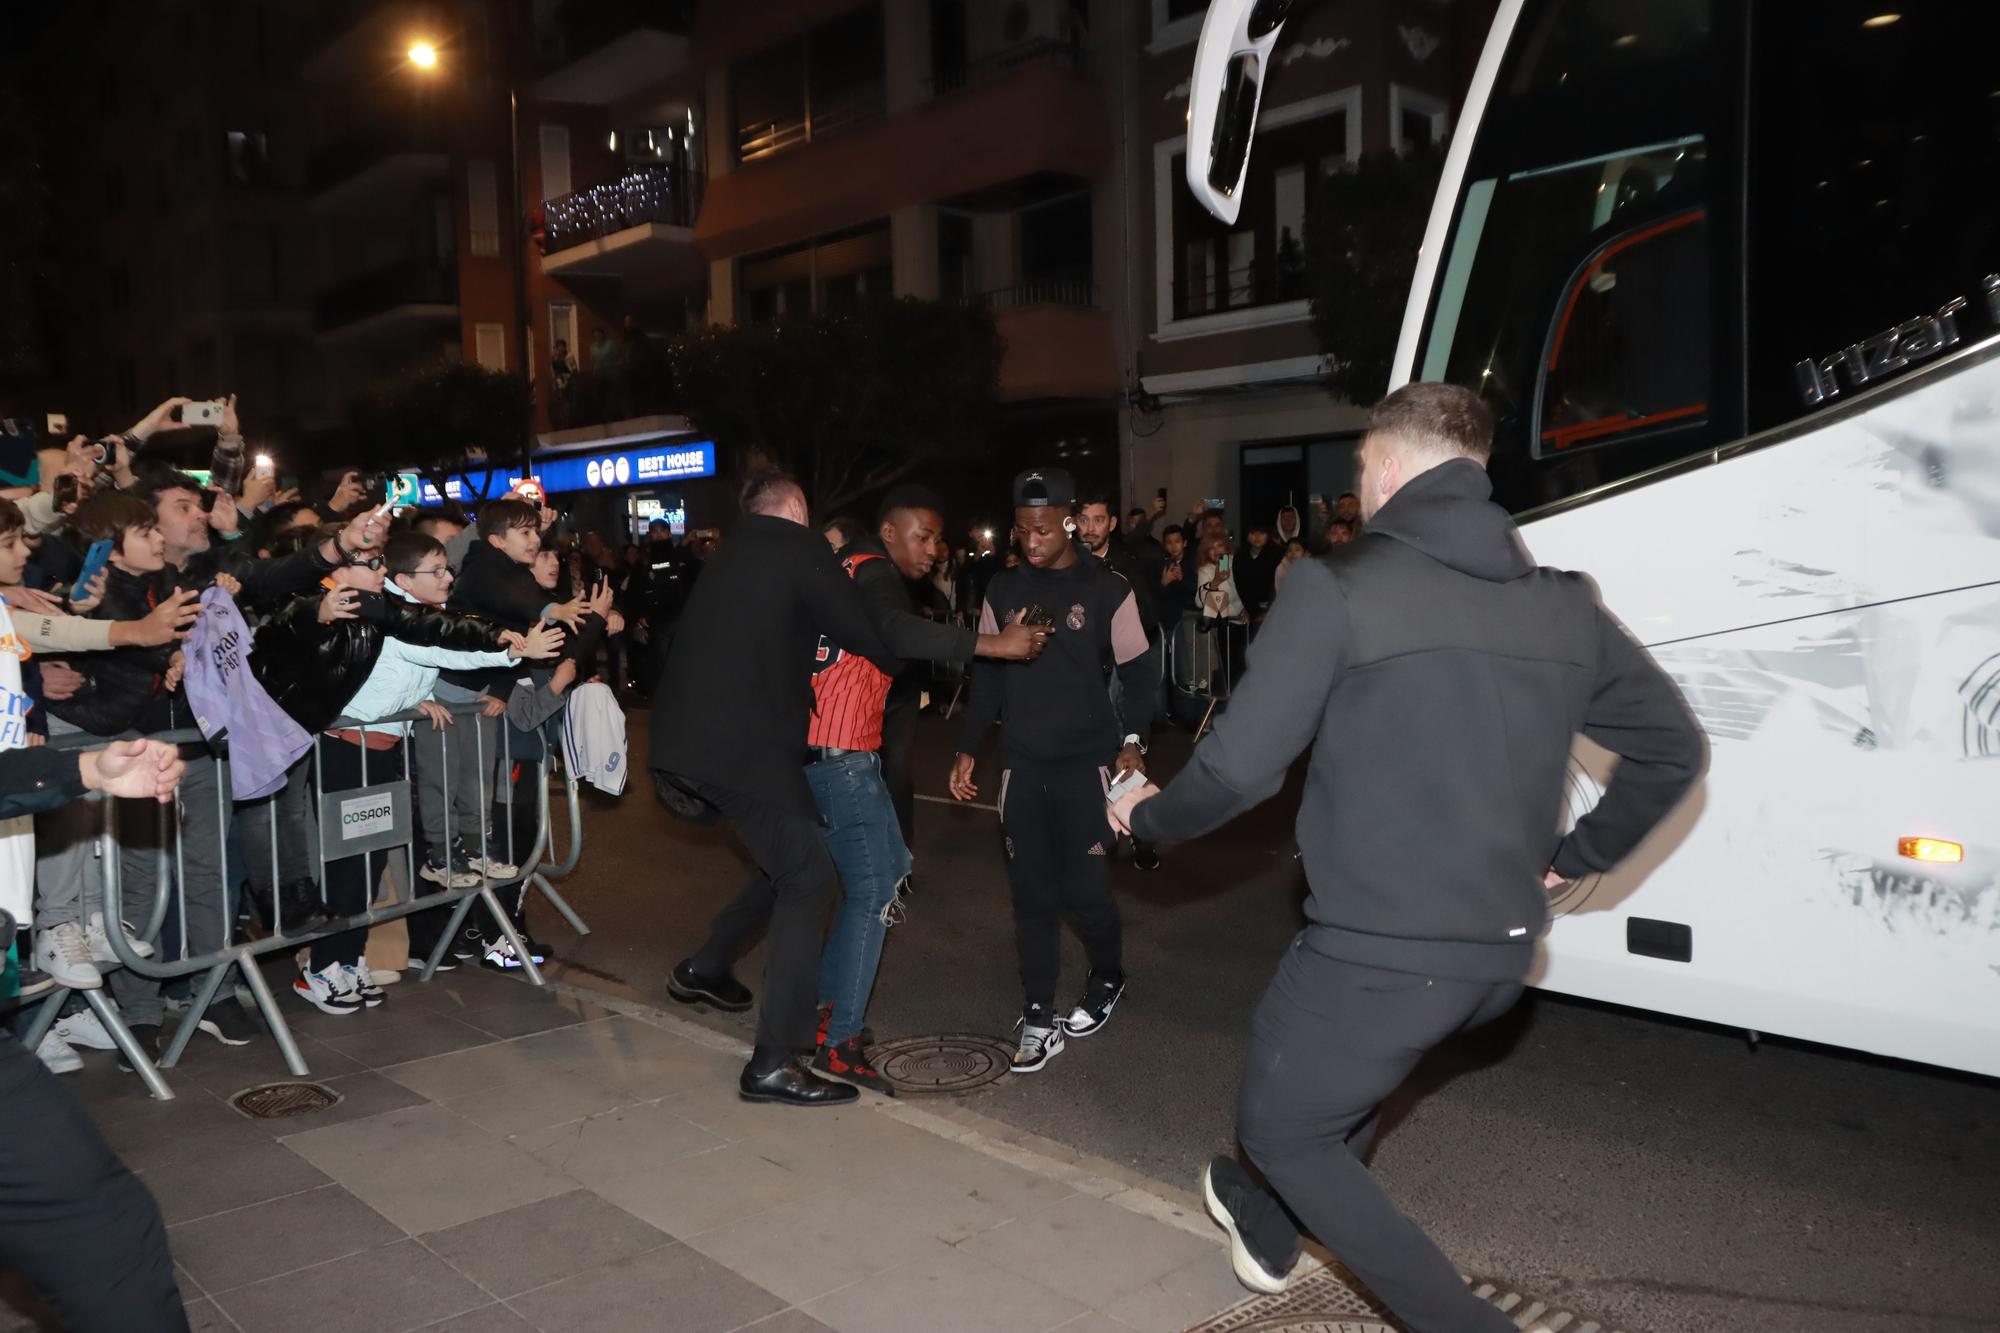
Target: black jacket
[[1145, 585], [503, 591], [35, 781], [1256, 575], [909, 636], [267, 584], [732, 704], [1440, 678], [311, 670], [1058, 707], [125, 687]]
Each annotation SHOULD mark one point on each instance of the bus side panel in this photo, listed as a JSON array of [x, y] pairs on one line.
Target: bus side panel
[[1830, 607]]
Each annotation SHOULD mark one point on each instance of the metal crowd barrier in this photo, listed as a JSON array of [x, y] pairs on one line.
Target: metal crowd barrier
[[171, 892], [1201, 664]]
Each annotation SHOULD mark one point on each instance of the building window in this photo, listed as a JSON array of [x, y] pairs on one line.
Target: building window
[[1416, 120], [482, 206], [833, 274], [489, 345], [562, 329], [1207, 269], [810, 86]]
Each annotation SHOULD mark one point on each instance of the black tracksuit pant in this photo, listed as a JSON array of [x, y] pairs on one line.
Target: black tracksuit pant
[[1328, 1042], [1058, 844], [798, 884], [73, 1220]]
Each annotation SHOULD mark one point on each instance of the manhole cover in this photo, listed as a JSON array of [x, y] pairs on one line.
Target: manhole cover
[[949, 1062], [1317, 1303], [280, 1101]]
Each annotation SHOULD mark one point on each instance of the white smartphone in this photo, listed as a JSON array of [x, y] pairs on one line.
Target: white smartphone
[[202, 414]]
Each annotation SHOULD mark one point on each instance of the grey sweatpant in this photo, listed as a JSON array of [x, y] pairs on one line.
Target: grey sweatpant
[[1328, 1042], [455, 768]]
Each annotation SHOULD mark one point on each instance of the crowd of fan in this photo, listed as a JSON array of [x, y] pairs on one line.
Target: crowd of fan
[[357, 615]]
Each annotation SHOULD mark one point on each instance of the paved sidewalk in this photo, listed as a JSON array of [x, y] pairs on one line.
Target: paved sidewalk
[[504, 1158]]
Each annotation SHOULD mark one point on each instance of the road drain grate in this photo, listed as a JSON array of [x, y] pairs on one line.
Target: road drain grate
[[282, 1101], [948, 1062], [1326, 1302]]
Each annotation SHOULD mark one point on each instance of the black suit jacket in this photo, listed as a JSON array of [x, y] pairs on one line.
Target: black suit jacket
[[733, 703]]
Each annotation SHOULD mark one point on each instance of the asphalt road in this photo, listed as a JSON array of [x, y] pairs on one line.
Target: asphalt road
[[1663, 1175]]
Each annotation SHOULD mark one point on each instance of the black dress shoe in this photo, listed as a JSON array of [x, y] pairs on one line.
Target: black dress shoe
[[691, 987], [792, 1086]]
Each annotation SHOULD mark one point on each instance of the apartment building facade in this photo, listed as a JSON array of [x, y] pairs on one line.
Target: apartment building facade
[[594, 175], [1230, 404]]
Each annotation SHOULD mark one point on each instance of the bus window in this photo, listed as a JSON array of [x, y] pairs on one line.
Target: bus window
[[1595, 170], [1872, 143], [1523, 257], [1628, 353]]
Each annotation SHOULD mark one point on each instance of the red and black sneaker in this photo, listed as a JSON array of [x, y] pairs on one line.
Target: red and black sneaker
[[826, 1017], [848, 1061]]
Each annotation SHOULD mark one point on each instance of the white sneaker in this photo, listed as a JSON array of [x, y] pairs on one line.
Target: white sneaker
[[327, 991], [492, 866], [64, 953], [56, 1054], [1040, 1042], [100, 946], [83, 1029], [361, 983]]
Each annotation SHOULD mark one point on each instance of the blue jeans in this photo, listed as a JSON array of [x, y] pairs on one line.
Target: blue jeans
[[866, 844]]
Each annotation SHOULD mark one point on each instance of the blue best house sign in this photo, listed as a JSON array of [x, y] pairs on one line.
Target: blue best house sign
[[669, 460]]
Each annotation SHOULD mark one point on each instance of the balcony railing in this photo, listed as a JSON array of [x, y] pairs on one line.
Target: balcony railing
[[352, 153], [1042, 49], [1240, 289], [1079, 292], [669, 195], [409, 282], [764, 138]]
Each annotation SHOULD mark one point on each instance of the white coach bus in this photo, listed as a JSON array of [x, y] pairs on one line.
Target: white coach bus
[[1728, 272]]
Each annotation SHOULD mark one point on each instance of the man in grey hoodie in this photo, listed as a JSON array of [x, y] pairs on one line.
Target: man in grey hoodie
[[1441, 679]]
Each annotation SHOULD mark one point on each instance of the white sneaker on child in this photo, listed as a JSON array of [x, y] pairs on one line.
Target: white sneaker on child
[[63, 951], [55, 1053], [328, 991], [361, 983], [100, 944], [83, 1029]]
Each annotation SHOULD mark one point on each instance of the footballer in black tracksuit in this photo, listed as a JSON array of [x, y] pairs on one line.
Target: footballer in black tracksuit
[[1062, 744]]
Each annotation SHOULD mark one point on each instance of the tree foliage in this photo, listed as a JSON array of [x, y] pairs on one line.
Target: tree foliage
[[443, 419], [848, 403], [1361, 254]]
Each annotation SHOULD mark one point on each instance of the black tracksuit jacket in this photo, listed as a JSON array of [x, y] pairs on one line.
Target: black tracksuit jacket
[[1440, 678]]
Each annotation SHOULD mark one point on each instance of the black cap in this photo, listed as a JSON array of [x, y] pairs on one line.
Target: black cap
[[1043, 486]]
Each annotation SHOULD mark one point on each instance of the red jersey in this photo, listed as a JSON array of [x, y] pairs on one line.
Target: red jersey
[[849, 691]]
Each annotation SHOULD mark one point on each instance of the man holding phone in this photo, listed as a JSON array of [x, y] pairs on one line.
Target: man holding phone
[[1060, 745]]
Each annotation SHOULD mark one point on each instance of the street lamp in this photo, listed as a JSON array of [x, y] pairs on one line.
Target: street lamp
[[424, 55]]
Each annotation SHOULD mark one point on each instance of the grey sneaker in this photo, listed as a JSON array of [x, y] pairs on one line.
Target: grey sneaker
[[1041, 1038]]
